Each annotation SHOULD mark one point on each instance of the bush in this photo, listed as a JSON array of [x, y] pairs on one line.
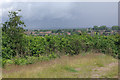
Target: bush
[[48, 47], [20, 61]]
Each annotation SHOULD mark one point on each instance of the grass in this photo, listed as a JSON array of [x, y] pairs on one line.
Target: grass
[[79, 66], [70, 69]]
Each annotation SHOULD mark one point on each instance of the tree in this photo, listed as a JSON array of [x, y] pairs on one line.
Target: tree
[[95, 28], [74, 30], [13, 29], [115, 27], [102, 28], [59, 31], [0, 41]]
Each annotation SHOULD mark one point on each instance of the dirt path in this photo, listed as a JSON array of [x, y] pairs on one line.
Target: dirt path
[[101, 71]]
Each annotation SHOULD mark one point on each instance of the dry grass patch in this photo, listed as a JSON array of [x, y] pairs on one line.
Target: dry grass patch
[[78, 66]]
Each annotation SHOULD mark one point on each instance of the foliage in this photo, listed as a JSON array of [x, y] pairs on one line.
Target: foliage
[[115, 27], [13, 39], [74, 44], [52, 46]]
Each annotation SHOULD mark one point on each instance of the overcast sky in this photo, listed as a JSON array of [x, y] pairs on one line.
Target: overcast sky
[[59, 15]]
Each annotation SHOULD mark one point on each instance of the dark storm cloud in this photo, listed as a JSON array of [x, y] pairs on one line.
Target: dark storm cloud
[[55, 15]]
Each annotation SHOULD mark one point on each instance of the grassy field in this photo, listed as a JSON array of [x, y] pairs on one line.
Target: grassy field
[[80, 66]]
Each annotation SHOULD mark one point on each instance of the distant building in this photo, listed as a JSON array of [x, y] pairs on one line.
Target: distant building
[[79, 31], [48, 32], [68, 33], [101, 32], [33, 32], [28, 32]]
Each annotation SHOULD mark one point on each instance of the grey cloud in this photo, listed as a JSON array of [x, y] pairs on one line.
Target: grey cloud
[[52, 15]]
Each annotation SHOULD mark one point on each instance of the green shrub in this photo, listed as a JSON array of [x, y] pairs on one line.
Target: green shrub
[[20, 61], [48, 47], [53, 55]]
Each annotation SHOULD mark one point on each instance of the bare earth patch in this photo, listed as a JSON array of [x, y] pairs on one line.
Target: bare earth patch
[[98, 71], [77, 69]]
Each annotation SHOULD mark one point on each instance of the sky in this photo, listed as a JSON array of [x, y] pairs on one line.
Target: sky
[[63, 15]]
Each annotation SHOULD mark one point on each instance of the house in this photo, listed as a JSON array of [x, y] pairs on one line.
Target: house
[[28, 32], [33, 32], [79, 31], [48, 32], [101, 32], [68, 33]]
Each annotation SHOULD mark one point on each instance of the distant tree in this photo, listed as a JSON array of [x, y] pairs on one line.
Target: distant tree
[[115, 27], [74, 30], [52, 31], [102, 28], [95, 28], [89, 29], [108, 30], [26, 30], [59, 31], [104, 33], [36, 30]]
